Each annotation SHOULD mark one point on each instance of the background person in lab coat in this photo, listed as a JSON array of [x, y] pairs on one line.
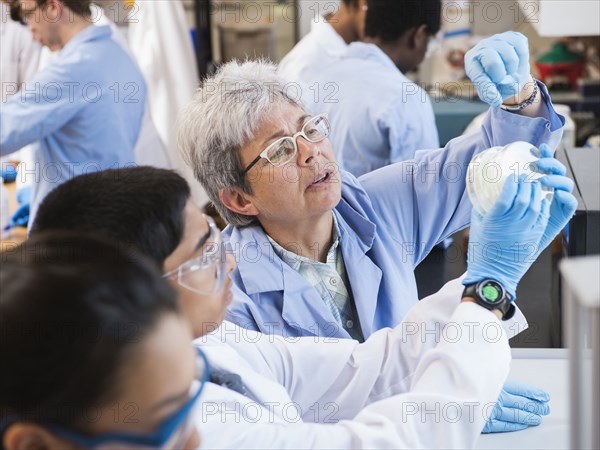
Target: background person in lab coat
[[107, 360], [327, 41], [19, 53], [378, 115], [150, 209], [83, 112], [19, 59]]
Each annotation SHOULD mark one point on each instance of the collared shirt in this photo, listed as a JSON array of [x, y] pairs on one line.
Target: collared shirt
[[329, 279], [322, 46], [378, 115], [82, 113]]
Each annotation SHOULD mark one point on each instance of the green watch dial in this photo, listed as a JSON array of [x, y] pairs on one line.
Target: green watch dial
[[490, 293]]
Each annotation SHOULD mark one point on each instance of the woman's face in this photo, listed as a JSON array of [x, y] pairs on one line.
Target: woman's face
[[303, 188], [204, 311], [154, 383]]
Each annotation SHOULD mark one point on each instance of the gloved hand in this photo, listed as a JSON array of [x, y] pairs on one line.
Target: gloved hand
[[21, 216], [519, 406], [499, 66], [500, 242], [24, 195], [8, 173], [564, 203]]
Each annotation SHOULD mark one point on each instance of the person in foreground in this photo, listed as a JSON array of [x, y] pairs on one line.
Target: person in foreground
[[95, 351], [289, 383]]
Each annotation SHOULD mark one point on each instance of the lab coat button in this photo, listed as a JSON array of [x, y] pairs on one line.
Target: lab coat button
[[333, 281]]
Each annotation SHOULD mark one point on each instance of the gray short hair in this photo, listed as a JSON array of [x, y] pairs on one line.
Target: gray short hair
[[222, 117]]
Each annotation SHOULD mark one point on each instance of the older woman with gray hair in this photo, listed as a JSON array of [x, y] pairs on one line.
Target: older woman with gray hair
[[320, 252]]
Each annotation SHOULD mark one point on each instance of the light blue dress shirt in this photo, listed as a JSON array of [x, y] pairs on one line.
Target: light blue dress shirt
[[378, 116], [389, 220], [82, 113]]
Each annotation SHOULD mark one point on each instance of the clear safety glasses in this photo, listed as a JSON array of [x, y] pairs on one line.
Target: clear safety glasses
[[205, 273], [284, 149], [172, 433]]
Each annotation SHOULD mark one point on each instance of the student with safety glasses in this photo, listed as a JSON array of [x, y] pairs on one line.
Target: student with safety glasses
[[273, 388], [95, 351]]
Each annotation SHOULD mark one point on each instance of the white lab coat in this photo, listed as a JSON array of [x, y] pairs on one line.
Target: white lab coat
[[19, 59], [428, 383], [322, 46], [19, 53], [160, 41]]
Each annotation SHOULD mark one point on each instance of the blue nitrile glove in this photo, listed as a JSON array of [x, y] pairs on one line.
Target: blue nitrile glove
[[501, 241], [564, 203], [8, 173], [21, 216], [519, 406], [24, 195], [499, 66]]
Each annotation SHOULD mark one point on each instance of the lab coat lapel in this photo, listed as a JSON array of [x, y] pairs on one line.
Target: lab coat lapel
[[263, 272], [305, 311], [260, 268], [357, 237]]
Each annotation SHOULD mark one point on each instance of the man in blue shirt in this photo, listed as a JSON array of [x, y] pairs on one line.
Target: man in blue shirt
[[378, 115], [84, 111]]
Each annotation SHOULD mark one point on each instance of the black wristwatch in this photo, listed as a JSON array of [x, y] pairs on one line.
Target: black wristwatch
[[491, 295]]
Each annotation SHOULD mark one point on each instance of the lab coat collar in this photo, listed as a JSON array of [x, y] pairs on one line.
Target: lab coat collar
[[362, 50], [259, 266], [262, 271], [91, 33], [354, 224]]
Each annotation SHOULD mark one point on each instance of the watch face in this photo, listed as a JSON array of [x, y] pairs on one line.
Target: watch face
[[491, 291]]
